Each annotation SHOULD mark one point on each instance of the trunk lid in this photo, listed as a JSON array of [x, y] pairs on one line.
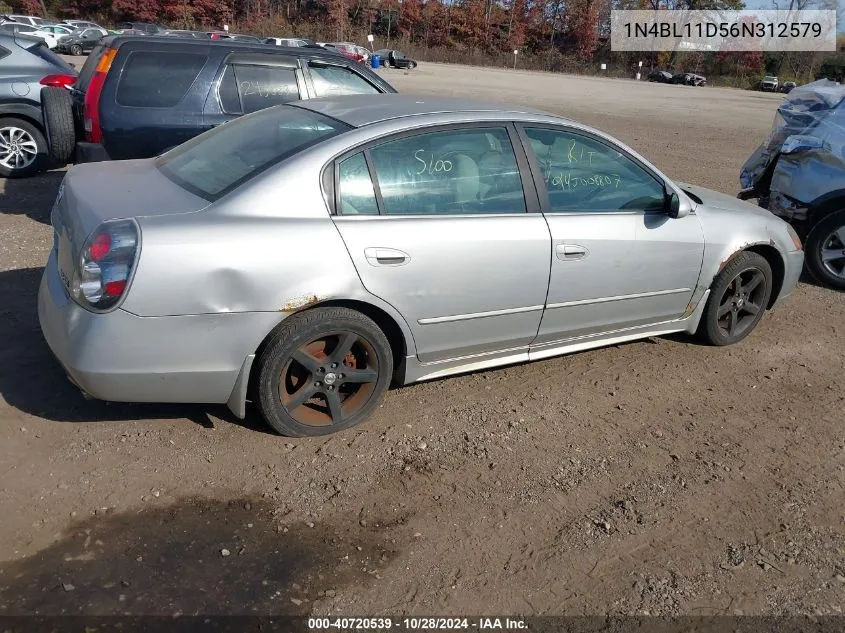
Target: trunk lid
[[93, 193]]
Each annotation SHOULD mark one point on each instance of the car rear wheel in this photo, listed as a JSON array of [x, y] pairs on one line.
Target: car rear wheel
[[323, 371], [57, 109], [738, 298], [22, 148], [825, 250]]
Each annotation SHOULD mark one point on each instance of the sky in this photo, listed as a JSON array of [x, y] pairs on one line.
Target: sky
[[768, 4]]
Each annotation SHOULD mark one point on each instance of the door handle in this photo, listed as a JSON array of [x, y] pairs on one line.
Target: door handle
[[386, 257], [570, 251]]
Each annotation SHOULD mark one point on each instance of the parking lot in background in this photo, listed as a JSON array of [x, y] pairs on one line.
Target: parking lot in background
[[659, 476]]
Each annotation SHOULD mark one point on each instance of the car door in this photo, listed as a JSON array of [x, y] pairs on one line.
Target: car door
[[618, 260], [441, 225], [247, 82]]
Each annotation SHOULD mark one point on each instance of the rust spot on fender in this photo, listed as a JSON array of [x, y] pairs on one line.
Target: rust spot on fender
[[298, 303]]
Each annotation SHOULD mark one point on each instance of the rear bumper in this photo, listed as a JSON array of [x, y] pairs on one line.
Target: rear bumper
[[90, 153], [121, 357]]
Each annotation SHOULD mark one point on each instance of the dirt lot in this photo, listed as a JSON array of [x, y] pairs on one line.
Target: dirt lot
[[657, 477]]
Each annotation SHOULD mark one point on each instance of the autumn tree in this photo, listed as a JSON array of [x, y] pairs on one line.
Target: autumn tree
[[338, 16], [583, 26], [410, 17]]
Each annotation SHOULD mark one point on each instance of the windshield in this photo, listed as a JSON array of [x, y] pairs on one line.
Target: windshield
[[218, 161], [767, 78]]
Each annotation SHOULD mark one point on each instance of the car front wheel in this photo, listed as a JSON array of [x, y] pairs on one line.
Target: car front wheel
[[738, 298], [322, 371], [825, 250], [22, 148], [76, 50]]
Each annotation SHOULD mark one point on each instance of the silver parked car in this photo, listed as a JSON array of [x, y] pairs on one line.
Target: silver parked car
[[306, 256]]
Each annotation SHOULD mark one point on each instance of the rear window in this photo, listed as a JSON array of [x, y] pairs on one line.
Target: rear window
[[216, 162], [157, 79]]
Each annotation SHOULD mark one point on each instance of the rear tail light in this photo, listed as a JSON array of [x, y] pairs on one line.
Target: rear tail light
[[105, 265], [91, 108], [59, 81]]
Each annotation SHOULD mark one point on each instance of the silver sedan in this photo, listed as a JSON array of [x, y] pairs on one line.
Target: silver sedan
[[305, 257]]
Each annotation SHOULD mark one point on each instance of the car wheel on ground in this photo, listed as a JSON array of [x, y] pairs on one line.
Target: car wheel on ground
[[738, 298], [57, 110], [22, 148], [322, 371], [76, 50], [825, 249]]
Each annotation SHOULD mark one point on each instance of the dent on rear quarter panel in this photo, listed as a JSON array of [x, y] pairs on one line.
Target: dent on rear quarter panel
[[269, 247]]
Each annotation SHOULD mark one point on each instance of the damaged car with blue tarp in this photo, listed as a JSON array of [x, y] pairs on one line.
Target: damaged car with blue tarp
[[798, 173]]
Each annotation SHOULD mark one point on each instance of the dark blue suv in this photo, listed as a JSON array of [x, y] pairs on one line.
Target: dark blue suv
[[137, 96]]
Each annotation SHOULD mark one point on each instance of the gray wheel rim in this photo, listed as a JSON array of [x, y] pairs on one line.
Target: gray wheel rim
[[742, 302], [18, 149], [833, 252]]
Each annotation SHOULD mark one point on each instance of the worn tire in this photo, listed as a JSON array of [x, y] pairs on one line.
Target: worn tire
[[708, 329], [40, 143], [57, 109], [298, 330], [813, 249], [76, 50]]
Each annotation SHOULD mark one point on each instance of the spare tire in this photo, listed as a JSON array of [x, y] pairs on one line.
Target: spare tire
[[57, 109]]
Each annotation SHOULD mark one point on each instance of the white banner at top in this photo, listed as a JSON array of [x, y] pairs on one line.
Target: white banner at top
[[723, 30]]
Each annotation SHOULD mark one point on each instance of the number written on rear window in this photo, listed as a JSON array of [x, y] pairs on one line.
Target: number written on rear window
[[157, 80], [247, 88]]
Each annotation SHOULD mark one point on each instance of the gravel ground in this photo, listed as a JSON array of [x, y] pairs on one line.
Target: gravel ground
[[657, 477]]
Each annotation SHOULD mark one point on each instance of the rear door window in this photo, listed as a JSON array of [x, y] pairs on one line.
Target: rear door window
[[247, 88], [338, 80], [452, 172], [153, 79]]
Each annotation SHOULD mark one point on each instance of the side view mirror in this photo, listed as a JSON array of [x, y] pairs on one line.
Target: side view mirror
[[673, 206]]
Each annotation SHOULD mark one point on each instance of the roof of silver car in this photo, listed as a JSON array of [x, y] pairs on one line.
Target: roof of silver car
[[359, 110]]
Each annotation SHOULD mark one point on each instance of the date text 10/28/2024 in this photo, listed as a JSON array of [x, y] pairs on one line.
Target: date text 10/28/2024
[[416, 624]]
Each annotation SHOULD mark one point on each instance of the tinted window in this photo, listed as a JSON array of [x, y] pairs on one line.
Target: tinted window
[[337, 80], [355, 188], [264, 86], [228, 91], [583, 174], [214, 163], [459, 171], [157, 80]]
